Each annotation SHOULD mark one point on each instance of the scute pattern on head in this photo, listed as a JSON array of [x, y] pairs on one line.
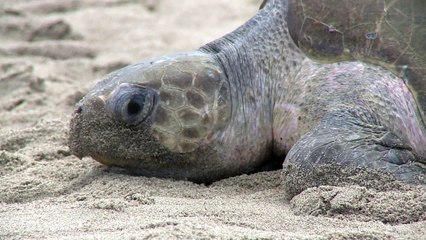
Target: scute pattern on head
[[387, 33], [191, 108]]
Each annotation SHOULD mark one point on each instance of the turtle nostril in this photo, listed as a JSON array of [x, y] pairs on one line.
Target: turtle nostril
[[79, 109], [133, 108]]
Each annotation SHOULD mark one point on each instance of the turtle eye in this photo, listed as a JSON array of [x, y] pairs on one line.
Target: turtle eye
[[134, 106], [131, 103]]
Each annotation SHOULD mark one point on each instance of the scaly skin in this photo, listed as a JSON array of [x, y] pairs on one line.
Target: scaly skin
[[386, 33], [251, 94]]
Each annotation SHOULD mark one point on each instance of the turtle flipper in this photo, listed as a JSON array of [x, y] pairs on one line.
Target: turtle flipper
[[344, 149]]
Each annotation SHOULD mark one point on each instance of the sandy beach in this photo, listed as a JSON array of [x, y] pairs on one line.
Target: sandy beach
[[51, 52]]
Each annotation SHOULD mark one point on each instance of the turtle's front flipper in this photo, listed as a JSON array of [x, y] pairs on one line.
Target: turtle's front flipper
[[342, 148]]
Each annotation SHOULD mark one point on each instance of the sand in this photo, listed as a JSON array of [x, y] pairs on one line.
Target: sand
[[50, 54]]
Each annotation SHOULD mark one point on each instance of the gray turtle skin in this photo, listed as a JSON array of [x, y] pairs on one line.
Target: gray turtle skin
[[231, 106]]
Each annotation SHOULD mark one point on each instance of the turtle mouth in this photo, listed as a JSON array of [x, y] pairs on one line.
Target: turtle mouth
[[108, 161]]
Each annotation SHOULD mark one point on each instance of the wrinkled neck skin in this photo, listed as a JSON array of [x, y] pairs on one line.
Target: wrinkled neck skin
[[258, 59], [278, 94]]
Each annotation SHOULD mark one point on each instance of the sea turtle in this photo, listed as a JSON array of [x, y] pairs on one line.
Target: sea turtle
[[330, 87]]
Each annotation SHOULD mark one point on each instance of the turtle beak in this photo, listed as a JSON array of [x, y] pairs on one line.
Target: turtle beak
[[74, 134], [81, 112]]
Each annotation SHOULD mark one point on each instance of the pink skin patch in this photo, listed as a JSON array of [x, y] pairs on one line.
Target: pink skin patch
[[285, 127], [409, 124], [392, 100]]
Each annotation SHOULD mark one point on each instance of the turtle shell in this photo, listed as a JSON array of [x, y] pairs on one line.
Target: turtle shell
[[390, 33]]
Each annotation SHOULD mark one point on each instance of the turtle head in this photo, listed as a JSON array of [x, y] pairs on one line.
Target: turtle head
[[157, 118]]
